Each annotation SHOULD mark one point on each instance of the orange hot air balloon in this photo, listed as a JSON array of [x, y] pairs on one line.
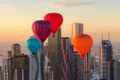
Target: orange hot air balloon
[[75, 43], [83, 44]]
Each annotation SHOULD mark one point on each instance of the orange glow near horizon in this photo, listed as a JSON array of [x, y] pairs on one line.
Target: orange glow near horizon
[[16, 18]]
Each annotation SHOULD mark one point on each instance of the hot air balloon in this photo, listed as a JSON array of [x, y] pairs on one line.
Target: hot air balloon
[[41, 29], [34, 45], [82, 44], [55, 19]]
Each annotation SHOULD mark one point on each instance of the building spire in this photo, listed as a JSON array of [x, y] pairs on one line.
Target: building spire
[[108, 35]]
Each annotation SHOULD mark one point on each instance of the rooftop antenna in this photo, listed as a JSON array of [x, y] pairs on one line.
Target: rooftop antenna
[[101, 39], [101, 36], [72, 32], [108, 35]]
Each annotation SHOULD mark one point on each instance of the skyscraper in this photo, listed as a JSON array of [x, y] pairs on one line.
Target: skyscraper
[[5, 69], [16, 49], [21, 67], [67, 52], [86, 64], [77, 29], [54, 54], [16, 66], [1, 73], [117, 67], [106, 61]]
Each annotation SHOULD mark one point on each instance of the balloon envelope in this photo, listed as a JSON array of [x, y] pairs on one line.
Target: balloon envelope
[[83, 44], [55, 19], [41, 29], [33, 45]]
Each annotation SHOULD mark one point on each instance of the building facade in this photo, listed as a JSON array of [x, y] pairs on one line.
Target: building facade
[[16, 66], [106, 61], [55, 55], [1, 73], [77, 29]]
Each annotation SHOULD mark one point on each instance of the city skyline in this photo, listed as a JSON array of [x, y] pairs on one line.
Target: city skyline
[[59, 39], [60, 52], [16, 26]]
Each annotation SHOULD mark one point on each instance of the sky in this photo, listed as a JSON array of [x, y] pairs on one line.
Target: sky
[[16, 16]]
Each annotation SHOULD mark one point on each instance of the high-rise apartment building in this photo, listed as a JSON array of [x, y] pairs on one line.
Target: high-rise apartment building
[[106, 60], [55, 55], [1, 73], [16, 66], [116, 67]]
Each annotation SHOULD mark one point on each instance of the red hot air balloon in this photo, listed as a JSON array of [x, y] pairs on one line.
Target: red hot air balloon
[[41, 29], [83, 44], [56, 21]]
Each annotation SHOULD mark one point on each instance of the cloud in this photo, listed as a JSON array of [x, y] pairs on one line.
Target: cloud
[[74, 3], [62, 3], [6, 1], [2, 1]]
